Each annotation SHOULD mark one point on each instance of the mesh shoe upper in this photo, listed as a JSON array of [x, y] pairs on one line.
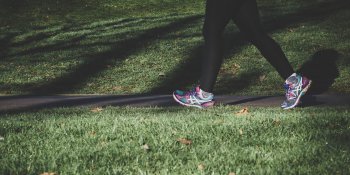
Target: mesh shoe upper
[[195, 97], [295, 86]]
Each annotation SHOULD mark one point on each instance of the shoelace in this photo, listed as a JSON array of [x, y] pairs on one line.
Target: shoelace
[[191, 92], [289, 92]]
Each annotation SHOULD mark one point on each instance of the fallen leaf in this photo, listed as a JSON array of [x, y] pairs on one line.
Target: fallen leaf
[[262, 78], [103, 143], [220, 121], [185, 141], [117, 88], [92, 133], [276, 122], [145, 147], [201, 167], [97, 109], [231, 173], [243, 111], [48, 173]]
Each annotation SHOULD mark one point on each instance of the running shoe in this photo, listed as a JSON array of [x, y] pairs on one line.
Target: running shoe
[[194, 98], [295, 86]]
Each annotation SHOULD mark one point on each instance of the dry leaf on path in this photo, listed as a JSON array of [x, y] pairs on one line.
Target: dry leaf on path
[[97, 109], [185, 141]]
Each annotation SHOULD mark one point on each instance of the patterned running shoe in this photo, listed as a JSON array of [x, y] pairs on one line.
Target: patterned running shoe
[[194, 98], [295, 86]]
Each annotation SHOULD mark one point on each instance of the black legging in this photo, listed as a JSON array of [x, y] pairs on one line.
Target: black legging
[[246, 16]]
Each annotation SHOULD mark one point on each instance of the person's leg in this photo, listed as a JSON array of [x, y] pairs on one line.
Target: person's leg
[[216, 18], [248, 21], [217, 15]]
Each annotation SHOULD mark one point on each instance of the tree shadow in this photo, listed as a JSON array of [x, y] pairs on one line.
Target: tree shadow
[[5, 44], [322, 69], [72, 43], [316, 12], [45, 33], [183, 75], [189, 69], [100, 61], [39, 37]]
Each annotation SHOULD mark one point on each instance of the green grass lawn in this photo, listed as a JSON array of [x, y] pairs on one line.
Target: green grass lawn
[[112, 141], [140, 47], [105, 47]]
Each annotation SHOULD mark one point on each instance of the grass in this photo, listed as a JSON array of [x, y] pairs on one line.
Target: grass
[[105, 47], [138, 47], [262, 141]]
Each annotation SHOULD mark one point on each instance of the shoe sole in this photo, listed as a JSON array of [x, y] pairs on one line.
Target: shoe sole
[[303, 92], [188, 105]]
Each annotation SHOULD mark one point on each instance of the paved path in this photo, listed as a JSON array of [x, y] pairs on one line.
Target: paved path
[[23, 103]]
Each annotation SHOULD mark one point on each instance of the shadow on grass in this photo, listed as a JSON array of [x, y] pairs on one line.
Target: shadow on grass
[[322, 70], [189, 69], [73, 42], [98, 62], [183, 75], [5, 44], [189, 72]]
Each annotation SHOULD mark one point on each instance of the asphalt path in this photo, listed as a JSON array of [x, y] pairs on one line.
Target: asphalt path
[[20, 103]]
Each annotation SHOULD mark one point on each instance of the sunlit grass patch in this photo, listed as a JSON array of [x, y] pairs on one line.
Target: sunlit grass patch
[[179, 141]]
